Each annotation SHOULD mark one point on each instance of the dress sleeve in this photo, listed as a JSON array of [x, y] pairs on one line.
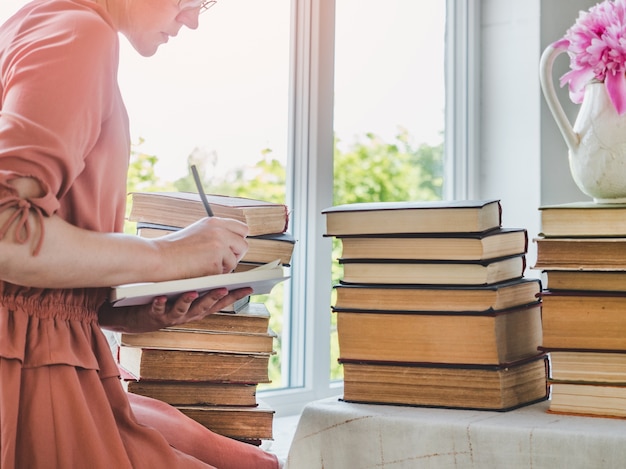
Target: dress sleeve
[[57, 70], [9, 198]]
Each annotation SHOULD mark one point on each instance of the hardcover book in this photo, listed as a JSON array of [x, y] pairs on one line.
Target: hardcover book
[[413, 217], [194, 365], [472, 338], [499, 387], [587, 399], [583, 219], [254, 318], [181, 209], [202, 393], [587, 366], [234, 422], [499, 242], [213, 341], [390, 271], [581, 253], [584, 320], [591, 280], [459, 298]]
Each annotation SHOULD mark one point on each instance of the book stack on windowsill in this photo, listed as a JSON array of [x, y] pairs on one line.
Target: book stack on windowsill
[[581, 252], [433, 308], [210, 369]]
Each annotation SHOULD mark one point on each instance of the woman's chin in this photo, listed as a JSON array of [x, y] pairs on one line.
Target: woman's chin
[[147, 48]]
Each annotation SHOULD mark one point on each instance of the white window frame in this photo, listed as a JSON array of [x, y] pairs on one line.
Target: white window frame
[[306, 332], [462, 115]]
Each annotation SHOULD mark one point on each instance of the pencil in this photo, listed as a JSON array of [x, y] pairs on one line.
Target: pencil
[[205, 202]]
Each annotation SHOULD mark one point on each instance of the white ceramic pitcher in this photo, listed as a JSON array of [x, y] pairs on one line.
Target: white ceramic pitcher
[[596, 143]]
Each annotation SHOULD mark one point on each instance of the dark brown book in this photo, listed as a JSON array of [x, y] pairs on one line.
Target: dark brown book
[[499, 388], [214, 341], [476, 338], [471, 216], [159, 364], [591, 280], [581, 253], [583, 219], [584, 320], [383, 271], [261, 249], [481, 298], [253, 423], [587, 366], [195, 392], [254, 318], [592, 400], [500, 242], [181, 209]]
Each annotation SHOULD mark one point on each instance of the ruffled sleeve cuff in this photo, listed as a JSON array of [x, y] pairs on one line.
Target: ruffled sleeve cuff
[[19, 220]]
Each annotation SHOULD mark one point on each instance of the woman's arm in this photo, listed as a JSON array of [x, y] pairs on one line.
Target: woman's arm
[[72, 257]]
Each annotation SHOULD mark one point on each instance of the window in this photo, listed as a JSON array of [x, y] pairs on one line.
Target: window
[[281, 80], [220, 91], [316, 117], [389, 107]]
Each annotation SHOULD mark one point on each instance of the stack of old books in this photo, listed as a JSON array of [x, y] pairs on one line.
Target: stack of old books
[[159, 213], [210, 369], [433, 308], [582, 252]]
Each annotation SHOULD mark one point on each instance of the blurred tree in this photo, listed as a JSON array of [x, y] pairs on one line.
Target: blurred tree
[[265, 180], [380, 171], [142, 178], [205, 162]]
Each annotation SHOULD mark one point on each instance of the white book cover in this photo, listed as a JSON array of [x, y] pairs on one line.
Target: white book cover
[[261, 279]]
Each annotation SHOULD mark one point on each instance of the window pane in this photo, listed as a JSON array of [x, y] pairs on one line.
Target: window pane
[[222, 88], [219, 93], [389, 105], [389, 69]]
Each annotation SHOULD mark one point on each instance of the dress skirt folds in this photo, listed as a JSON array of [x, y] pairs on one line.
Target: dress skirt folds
[[62, 404]]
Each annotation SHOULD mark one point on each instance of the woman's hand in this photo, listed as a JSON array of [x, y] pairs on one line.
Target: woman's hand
[[161, 313], [209, 246]]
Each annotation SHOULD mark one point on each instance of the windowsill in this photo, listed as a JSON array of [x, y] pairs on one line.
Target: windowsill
[[339, 434]]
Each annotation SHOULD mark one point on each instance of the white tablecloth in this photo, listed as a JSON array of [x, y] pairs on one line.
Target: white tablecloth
[[336, 435]]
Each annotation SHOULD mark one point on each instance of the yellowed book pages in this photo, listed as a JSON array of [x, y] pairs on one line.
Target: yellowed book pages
[[484, 339], [485, 388]]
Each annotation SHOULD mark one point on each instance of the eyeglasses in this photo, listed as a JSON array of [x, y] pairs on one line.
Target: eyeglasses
[[203, 5]]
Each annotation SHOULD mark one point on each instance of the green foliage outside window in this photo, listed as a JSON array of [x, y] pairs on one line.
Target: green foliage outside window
[[369, 170]]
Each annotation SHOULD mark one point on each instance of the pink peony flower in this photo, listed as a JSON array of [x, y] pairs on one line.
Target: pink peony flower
[[596, 45]]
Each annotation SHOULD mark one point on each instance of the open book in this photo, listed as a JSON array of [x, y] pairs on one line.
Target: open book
[[262, 279]]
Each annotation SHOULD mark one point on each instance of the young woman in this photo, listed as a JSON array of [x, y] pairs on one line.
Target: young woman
[[64, 149]]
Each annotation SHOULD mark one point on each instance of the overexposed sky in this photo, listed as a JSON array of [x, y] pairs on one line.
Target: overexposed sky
[[389, 68], [223, 87]]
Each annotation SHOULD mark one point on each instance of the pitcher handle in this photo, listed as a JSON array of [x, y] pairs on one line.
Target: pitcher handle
[[547, 86]]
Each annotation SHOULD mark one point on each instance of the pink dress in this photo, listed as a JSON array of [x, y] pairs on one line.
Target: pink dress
[[62, 121]]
